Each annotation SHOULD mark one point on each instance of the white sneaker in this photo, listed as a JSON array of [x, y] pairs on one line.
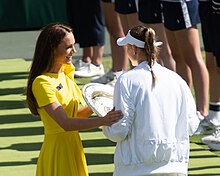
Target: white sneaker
[[214, 145], [106, 78], [89, 70], [205, 127], [80, 64], [112, 83], [214, 137]]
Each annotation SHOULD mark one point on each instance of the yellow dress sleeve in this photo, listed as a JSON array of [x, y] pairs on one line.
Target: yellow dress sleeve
[[43, 91]]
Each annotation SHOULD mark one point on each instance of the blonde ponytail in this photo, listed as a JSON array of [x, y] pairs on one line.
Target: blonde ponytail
[[151, 51]]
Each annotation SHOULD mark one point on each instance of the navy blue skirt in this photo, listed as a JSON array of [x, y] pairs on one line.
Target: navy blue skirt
[[87, 20]]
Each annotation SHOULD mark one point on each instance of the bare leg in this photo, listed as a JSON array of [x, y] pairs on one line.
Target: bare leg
[[181, 68], [93, 55], [214, 76], [87, 54], [128, 21], [114, 27], [97, 55], [188, 44]]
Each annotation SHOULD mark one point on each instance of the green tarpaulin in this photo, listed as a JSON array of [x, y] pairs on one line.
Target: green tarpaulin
[[30, 14]]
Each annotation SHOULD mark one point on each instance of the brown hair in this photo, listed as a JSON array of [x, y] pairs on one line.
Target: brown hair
[[148, 36], [49, 39]]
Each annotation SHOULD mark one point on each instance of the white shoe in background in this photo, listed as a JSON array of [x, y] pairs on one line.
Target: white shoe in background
[[80, 64], [89, 70], [205, 127], [214, 137], [112, 83], [109, 78], [214, 145], [106, 78]]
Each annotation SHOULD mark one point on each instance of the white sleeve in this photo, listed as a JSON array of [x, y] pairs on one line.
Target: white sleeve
[[122, 101], [193, 118]]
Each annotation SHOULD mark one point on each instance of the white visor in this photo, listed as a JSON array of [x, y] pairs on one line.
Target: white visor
[[128, 39]]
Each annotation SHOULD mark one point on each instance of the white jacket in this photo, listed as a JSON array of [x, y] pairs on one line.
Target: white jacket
[[153, 136]]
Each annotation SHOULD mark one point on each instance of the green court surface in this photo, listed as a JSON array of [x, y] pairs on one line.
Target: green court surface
[[21, 134]]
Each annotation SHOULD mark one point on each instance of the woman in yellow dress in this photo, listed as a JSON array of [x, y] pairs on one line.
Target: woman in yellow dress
[[53, 95]]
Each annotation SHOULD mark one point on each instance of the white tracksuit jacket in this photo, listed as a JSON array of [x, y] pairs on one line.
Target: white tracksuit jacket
[[153, 136]]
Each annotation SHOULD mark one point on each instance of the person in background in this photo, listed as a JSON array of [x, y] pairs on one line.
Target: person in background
[[127, 10], [183, 38], [210, 15], [150, 14], [86, 19], [153, 135], [118, 54], [53, 95]]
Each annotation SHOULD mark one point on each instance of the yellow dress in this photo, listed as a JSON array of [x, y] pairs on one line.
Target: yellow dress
[[62, 152]]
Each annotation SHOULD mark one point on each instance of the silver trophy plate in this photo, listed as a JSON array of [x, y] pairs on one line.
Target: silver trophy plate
[[99, 97]]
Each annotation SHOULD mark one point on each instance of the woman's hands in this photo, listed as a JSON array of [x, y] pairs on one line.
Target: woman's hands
[[112, 117]]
